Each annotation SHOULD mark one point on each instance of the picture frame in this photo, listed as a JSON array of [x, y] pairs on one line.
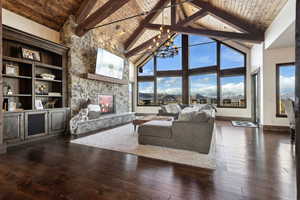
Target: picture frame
[[11, 69], [39, 104], [31, 54]]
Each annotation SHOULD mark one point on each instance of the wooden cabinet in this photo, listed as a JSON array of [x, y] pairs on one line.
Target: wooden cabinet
[[26, 125], [13, 129], [57, 121]]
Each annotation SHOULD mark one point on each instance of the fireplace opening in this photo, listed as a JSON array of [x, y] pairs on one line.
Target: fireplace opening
[[106, 103]]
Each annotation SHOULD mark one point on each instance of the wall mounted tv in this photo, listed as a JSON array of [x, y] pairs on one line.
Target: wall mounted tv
[[109, 64]]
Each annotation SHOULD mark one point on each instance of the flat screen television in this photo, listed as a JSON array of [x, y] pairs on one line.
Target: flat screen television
[[106, 103], [109, 64]]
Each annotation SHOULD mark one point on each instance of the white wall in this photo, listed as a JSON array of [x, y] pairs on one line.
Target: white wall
[[21, 23], [228, 112], [271, 58], [282, 22]]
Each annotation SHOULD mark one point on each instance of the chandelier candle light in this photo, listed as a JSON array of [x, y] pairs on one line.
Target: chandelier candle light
[[168, 49]]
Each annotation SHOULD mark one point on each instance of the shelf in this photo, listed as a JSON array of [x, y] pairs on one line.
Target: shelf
[[41, 79], [20, 60], [47, 96], [106, 79], [13, 76], [17, 95], [38, 64]]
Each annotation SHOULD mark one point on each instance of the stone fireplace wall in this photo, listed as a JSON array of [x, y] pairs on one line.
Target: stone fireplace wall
[[82, 59]]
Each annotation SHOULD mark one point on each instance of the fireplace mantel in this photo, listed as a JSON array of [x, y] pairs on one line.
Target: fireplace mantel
[[105, 79]]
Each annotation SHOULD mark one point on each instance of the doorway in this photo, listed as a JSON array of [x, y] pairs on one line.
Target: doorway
[[255, 79]]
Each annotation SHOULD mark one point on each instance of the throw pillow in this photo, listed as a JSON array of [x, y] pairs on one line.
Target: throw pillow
[[94, 107], [186, 116], [173, 108]]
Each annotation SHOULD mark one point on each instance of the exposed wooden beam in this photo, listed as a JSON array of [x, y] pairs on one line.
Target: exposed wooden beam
[[229, 19], [184, 22], [84, 10], [141, 47], [173, 12], [209, 33], [99, 15], [191, 19], [140, 29]]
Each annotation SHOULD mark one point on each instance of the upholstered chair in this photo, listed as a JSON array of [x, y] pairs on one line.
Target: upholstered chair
[[289, 110]]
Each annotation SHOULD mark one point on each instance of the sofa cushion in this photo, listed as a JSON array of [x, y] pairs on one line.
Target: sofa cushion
[[156, 128], [201, 116], [94, 115], [173, 108]]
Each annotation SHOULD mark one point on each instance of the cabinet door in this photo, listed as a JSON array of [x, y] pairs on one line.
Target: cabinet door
[[13, 127], [36, 124], [57, 121]]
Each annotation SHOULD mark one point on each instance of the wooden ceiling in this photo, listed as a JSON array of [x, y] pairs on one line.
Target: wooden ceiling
[[257, 14]]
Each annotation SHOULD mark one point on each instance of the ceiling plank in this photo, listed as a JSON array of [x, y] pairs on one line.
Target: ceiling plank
[[99, 15], [227, 18], [140, 29], [84, 10], [255, 38]]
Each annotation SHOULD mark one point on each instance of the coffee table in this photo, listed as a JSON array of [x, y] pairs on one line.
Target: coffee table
[[142, 120]]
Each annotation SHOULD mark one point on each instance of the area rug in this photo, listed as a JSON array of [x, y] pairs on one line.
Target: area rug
[[244, 124], [124, 139]]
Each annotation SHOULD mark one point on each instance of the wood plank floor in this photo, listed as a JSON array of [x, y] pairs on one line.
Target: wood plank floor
[[251, 165]]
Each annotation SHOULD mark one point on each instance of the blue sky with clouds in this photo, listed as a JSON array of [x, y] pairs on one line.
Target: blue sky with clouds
[[287, 81]]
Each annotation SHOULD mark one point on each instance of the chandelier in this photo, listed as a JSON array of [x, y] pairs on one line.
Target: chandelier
[[167, 49]]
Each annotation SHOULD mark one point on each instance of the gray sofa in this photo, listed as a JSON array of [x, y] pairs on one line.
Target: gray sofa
[[194, 134]]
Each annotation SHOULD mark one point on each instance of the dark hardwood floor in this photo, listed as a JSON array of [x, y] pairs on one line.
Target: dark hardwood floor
[[251, 165]]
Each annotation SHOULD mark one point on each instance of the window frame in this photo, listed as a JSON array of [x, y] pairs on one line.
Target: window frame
[[185, 72], [278, 66]]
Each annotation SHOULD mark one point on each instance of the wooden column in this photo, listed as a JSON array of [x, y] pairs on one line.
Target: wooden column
[[185, 69], [2, 146], [297, 88]]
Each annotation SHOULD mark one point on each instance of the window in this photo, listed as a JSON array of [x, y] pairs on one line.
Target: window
[[148, 68], [231, 58], [201, 80], [173, 63], [203, 88], [146, 93], [169, 90], [285, 85], [232, 91], [203, 52]]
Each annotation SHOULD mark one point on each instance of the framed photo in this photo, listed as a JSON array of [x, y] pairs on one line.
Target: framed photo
[[39, 104], [11, 69], [31, 54]]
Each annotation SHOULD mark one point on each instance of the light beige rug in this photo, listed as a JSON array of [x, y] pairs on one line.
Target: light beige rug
[[124, 139]]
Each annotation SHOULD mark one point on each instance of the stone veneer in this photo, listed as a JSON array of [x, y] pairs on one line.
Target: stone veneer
[[82, 59]]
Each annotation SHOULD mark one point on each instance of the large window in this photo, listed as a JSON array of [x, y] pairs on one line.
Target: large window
[[173, 63], [146, 93], [197, 78], [169, 90], [203, 52], [203, 88], [231, 58], [232, 91], [285, 86]]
